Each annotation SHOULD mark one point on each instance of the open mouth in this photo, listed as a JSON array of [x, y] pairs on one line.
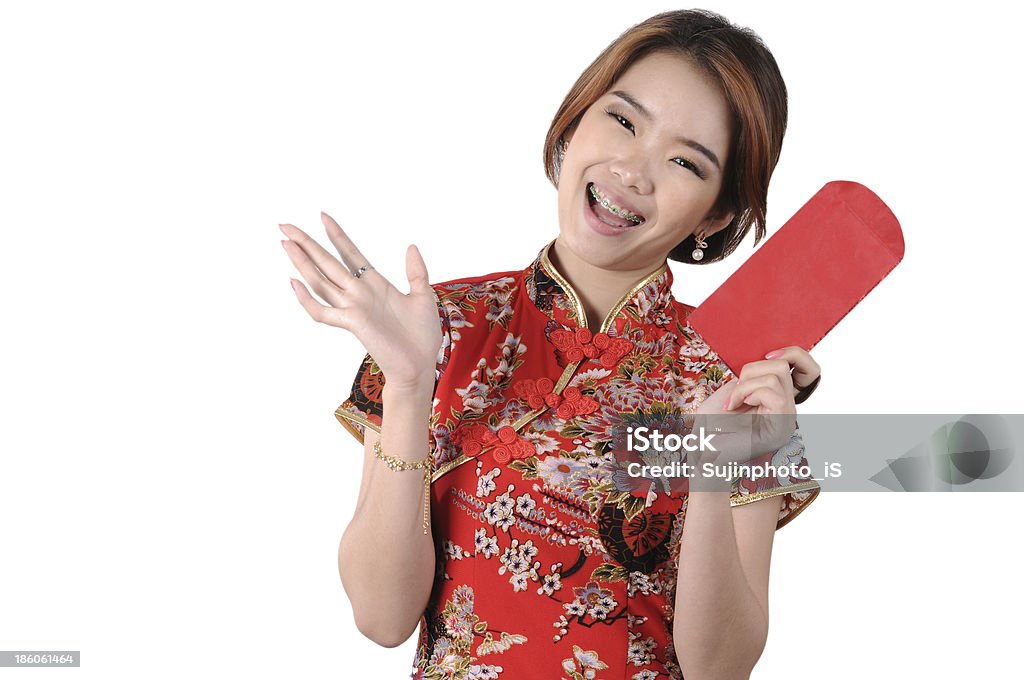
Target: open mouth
[[608, 212]]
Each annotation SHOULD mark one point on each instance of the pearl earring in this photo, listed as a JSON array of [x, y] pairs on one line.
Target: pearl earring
[[698, 253]]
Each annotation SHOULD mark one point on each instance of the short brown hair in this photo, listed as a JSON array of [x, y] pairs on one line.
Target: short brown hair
[[741, 64]]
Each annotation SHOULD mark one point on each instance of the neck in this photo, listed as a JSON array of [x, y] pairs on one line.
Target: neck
[[599, 290]]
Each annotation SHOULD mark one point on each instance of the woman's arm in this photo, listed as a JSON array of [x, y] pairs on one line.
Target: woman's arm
[[385, 560], [721, 607]]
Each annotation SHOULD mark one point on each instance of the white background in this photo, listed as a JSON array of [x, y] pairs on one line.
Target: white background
[[174, 483]]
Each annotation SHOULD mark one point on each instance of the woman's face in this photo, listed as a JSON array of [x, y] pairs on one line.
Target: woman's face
[[644, 167]]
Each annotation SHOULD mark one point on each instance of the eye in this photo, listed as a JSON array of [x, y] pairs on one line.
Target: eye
[[622, 120], [691, 166]]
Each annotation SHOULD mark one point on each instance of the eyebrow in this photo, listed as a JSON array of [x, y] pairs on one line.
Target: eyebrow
[[697, 146]]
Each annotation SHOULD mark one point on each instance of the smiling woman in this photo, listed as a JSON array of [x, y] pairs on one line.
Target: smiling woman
[[499, 522]]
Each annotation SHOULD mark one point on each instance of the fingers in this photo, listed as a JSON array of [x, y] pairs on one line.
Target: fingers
[[769, 390], [319, 312], [328, 265], [416, 271], [348, 251], [774, 367], [770, 397], [313, 276], [805, 369]]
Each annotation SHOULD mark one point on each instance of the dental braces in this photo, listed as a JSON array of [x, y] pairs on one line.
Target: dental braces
[[621, 212]]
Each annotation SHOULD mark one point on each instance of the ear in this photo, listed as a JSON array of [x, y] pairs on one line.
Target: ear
[[713, 225]]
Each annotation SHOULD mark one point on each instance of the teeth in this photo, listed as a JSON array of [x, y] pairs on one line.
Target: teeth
[[621, 212]]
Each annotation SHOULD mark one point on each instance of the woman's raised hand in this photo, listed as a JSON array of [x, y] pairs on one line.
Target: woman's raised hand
[[759, 408], [772, 385], [400, 331]]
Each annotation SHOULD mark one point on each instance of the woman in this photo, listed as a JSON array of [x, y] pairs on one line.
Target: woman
[[504, 395]]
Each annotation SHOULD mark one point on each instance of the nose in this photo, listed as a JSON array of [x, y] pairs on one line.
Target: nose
[[632, 171]]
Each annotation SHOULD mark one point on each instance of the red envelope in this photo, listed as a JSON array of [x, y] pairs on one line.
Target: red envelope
[[805, 278]]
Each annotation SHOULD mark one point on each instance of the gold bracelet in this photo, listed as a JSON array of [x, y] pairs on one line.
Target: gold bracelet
[[396, 464]]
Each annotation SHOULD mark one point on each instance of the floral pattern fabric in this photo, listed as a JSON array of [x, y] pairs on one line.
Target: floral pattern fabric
[[544, 567]]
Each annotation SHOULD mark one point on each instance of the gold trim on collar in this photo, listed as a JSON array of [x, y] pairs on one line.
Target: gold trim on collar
[[577, 305], [610, 319]]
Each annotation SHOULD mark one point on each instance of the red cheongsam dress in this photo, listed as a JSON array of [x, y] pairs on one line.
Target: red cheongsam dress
[[544, 567]]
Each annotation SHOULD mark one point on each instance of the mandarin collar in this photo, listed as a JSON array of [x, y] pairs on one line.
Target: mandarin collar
[[647, 302]]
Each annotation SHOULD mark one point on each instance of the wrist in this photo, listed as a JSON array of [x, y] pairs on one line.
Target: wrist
[[416, 388]]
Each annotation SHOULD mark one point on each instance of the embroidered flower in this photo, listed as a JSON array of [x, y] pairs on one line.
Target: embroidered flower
[[504, 503], [464, 597], [639, 582], [513, 410], [518, 581], [486, 671], [453, 551], [459, 625], [592, 599], [458, 616], [476, 396], [557, 471], [515, 560], [634, 621], [589, 664], [484, 544], [456, 320], [542, 442], [492, 646], [499, 311], [590, 377], [441, 649], [528, 550], [492, 514], [552, 582], [641, 650], [499, 513], [485, 483], [525, 505]]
